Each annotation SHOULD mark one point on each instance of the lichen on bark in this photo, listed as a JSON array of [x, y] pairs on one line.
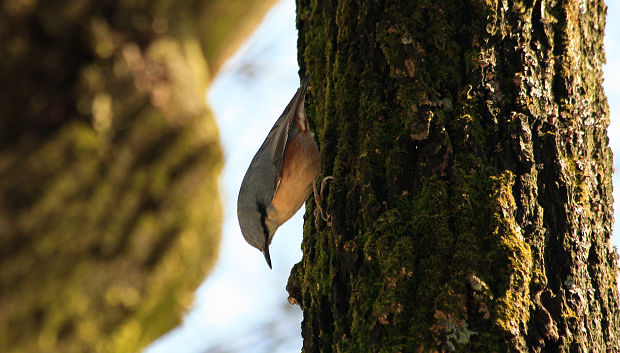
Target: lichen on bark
[[471, 206]]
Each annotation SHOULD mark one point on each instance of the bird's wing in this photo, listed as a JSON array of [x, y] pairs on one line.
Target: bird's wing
[[281, 131]]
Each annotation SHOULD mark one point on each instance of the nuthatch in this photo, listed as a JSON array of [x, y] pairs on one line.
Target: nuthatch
[[280, 176]]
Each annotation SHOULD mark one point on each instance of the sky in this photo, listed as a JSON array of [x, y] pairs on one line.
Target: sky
[[242, 305]]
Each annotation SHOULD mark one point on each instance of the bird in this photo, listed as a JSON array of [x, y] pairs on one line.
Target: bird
[[280, 177]]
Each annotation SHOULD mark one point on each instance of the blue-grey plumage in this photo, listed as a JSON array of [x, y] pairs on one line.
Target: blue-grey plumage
[[280, 176]]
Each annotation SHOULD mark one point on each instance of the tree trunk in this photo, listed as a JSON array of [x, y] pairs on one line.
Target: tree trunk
[[472, 207], [109, 160]]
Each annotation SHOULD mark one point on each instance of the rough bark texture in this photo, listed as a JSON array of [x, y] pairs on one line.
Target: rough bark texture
[[109, 159], [471, 208]]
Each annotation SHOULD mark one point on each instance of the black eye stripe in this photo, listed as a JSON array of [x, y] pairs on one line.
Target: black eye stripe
[[263, 216]]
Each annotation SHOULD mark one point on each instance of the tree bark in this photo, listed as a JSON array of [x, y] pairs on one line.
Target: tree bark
[[472, 203], [109, 161]]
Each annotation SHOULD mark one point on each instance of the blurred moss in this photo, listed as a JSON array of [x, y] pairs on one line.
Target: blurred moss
[[109, 161]]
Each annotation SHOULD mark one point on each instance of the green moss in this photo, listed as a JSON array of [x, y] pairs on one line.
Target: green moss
[[435, 120], [513, 305], [406, 249]]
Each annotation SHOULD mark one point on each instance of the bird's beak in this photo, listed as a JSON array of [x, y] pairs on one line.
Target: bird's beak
[[267, 257]]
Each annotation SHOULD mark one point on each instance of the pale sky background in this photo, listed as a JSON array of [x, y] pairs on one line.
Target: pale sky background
[[242, 306]]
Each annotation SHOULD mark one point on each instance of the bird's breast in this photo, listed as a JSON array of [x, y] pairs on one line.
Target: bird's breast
[[299, 171]]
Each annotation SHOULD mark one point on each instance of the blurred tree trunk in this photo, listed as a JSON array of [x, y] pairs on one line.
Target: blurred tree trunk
[[472, 205], [109, 160]]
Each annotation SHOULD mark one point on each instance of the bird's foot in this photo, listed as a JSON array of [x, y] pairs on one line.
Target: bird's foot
[[318, 199]]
